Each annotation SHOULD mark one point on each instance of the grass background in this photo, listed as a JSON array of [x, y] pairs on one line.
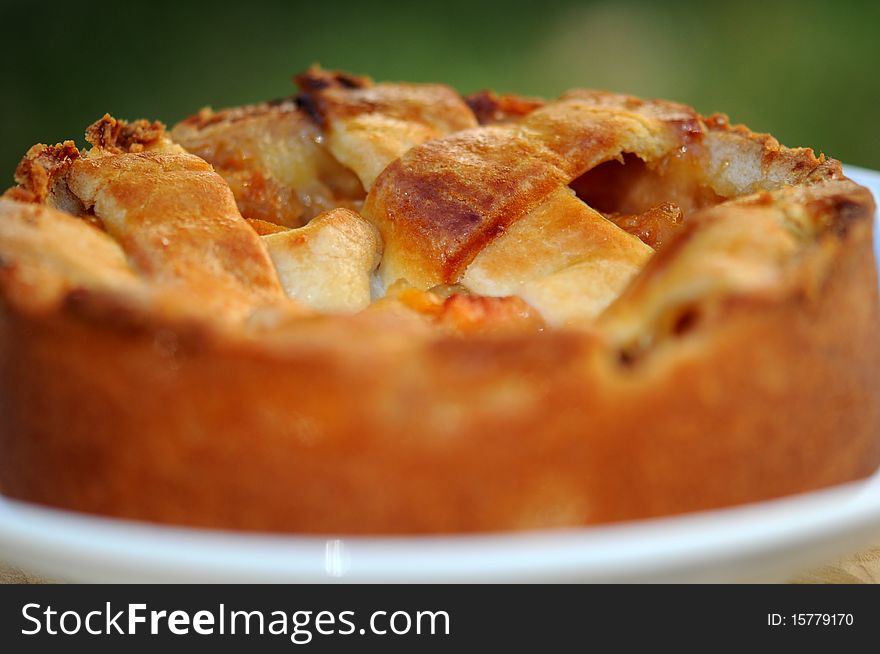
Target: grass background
[[808, 72]]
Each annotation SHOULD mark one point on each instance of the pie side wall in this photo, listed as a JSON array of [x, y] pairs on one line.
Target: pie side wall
[[454, 435]]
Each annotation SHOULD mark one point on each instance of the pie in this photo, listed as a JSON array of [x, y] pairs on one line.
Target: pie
[[377, 308]]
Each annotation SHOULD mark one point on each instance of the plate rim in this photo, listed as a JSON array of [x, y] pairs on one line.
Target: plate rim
[[604, 551]]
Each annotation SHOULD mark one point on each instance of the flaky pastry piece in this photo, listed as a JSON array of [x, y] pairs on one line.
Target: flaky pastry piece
[[495, 313], [290, 159], [328, 264]]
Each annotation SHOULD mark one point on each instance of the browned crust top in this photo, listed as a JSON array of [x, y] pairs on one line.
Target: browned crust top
[[491, 108], [118, 136], [330, 95], [444, 201], [38, 168], [448, 198]]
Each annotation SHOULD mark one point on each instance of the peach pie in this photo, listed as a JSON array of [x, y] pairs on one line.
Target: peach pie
[[376, 308]]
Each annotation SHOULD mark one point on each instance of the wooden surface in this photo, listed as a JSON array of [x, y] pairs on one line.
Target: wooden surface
[[861, 568]]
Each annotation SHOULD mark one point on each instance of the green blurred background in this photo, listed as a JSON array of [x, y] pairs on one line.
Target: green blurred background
[[806, 71]]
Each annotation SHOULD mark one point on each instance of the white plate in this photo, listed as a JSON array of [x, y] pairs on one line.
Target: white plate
[[767, 541]]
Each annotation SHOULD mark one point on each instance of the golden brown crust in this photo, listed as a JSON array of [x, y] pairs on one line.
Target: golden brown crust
[[160, 204], [175, 382], [444, 201], [38, 169], [46, 254], [491, 108], [163, 208], [368, 125], [289, 160], [271, 156], [327, 265], [118, 136], [331, 96]]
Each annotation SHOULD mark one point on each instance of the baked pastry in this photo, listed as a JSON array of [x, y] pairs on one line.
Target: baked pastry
[[386, 308]]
